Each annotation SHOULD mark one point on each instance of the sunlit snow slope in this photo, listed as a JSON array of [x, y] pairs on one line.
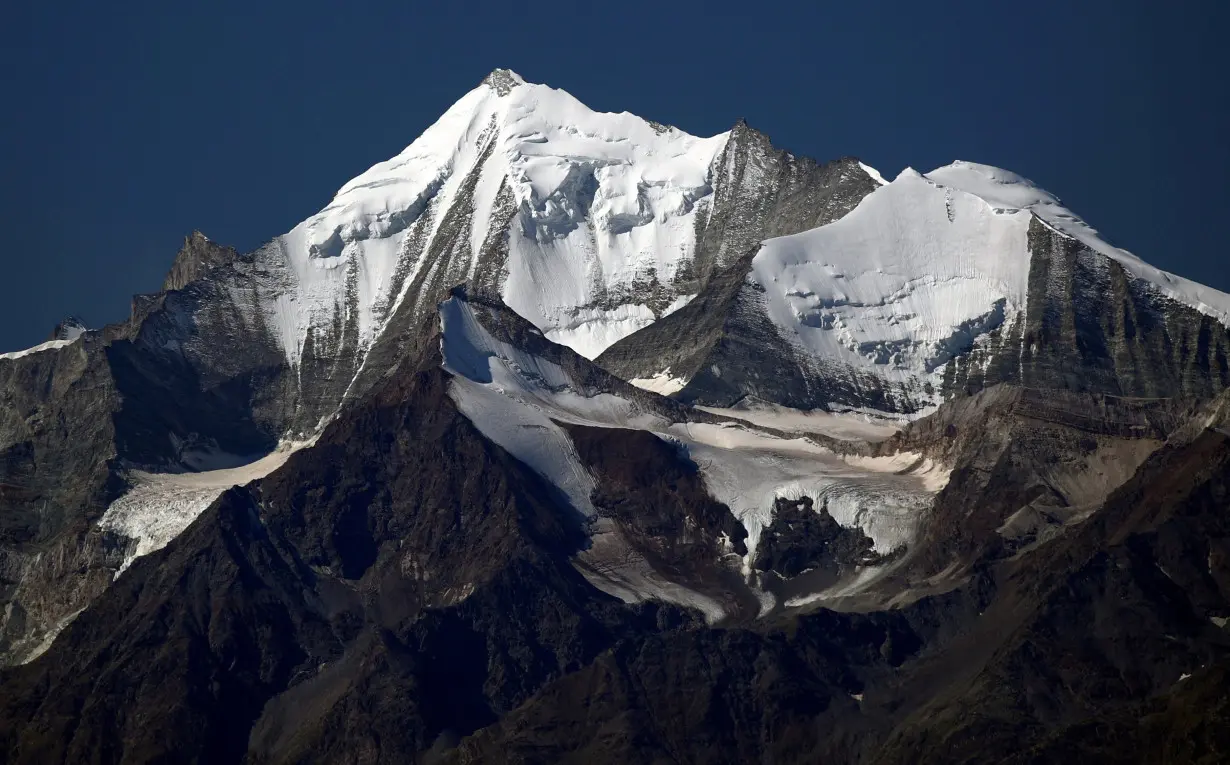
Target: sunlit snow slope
[[923, 270], [578, 217]]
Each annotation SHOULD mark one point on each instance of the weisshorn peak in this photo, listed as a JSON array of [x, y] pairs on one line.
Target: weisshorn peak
[[590, 225], [582, 220]]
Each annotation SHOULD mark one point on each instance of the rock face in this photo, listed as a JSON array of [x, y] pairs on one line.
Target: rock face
[[57, 457], [803, 538], [1091, 326], [365, 495], [759, 192], [195, 259]]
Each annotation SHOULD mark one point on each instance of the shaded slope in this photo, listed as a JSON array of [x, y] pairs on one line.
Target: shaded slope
[[1105, 643], [341, 555]]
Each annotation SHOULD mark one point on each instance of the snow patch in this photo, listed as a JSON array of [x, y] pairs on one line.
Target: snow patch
[[845, 426], [159, 506], [875, 174], [662, 383], [50, 638], [614, 567], [748, 470], [50, 345]]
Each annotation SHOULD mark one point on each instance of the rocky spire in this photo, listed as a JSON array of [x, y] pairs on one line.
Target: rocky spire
[[197, 255]]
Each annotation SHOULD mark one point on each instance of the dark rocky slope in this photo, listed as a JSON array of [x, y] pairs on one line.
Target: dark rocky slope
[[399, 585], [385, 549], [1091, 327], [406, 590], [1075, 648]]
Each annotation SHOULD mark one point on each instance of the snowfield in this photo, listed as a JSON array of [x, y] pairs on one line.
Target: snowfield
[[923, 269], [516, 399], [747, 470], [847, 426], [903, 283]]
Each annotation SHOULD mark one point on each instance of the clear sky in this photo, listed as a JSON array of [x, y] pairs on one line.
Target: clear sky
[[128, 124]]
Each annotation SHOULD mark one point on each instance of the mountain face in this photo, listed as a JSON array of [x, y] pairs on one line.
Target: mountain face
[[951, 281], [569, 437]]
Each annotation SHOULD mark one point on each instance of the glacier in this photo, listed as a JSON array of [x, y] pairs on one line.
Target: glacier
[[519, 400]]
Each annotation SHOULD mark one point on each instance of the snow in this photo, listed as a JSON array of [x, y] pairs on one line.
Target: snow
[[748, 470], [841, 425], [616, 568], [160, 506], [50, 638], [908, 279], [1008, 191], [72, 331], [601, 203], [47, 346], [932, 474], [857, 583], [875, 174], [529, 435], [662, 383]]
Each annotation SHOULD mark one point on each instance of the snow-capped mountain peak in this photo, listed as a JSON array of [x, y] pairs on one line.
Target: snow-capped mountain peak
[[572, 210], [931, 266]]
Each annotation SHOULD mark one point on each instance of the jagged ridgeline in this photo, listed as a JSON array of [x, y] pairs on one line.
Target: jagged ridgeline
[[566, 436]]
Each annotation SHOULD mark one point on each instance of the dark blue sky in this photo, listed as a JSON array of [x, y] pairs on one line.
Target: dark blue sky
[[128, 124]]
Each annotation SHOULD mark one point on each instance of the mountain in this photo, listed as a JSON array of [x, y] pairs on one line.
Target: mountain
[[951, 281], [569, 437]]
